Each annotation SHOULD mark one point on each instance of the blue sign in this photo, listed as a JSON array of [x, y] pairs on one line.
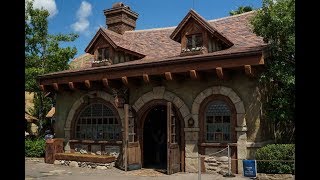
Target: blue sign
[[250, 168]]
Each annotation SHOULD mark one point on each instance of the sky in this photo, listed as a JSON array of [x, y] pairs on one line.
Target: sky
[[84, 17]]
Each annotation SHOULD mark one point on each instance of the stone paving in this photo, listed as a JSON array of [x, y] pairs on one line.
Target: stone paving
[[37, 169]]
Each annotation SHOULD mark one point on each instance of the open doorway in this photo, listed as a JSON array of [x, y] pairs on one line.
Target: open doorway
[[155, 138]]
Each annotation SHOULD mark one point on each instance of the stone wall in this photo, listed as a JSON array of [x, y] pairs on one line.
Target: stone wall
[[215, 161]]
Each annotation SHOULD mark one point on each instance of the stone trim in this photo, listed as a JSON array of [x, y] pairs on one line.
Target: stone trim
[[226, 91], [240, 129], [160, 92], [93, 94], [259, 144], [191, 129]]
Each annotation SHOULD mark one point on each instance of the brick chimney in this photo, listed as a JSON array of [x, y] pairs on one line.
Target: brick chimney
[[120, 18]]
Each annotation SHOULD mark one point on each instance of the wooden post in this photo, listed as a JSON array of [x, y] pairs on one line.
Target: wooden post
[[126, 128]]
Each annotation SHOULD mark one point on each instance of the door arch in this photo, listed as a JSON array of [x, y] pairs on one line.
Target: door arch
[[142, 115]]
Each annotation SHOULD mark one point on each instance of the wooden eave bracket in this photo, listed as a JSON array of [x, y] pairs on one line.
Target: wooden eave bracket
[[146, 78], [193, 74], [248, 70], [125, 80], [168, 76], [87, 83], [105, 82], [219, 72], [71, 86], [55, 86]]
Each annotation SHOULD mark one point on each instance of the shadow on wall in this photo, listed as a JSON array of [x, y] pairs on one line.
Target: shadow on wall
[[259, 129]]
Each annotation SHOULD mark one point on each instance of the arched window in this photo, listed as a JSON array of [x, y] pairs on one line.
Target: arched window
[[217, 122], [97, 122]]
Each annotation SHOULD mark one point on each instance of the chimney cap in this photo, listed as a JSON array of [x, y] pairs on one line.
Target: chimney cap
[[119, 4]]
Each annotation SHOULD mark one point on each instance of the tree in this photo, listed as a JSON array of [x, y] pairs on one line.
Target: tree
[[275, 22], [240, 10], [43, 54]]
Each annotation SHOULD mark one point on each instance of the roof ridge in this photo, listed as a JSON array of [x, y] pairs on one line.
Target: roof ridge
[[171, 27], [151, 29], [228, 17]]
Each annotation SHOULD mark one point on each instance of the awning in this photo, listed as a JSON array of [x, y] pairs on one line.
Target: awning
[[30, 118], [51, 112]]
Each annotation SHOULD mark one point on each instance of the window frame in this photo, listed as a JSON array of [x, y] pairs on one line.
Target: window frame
[[202, 112], [83, 107], [102, 53], [193, 40]]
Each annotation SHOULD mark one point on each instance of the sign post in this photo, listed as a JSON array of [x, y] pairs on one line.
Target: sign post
[[250, 168]]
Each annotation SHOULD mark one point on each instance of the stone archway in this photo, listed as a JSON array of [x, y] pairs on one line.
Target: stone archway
[[241, 127], [100, 94], [161, 93]]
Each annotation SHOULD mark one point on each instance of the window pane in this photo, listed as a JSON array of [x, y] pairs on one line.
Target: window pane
[[226, 119], [218, 119], [209, 119], [106, 53], [189, 42], [198, 40]]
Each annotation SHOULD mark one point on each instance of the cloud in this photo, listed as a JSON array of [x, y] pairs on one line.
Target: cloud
[[82, 24], [49, 5]]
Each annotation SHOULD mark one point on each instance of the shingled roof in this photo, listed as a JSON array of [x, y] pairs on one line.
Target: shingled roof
[[157, 45]]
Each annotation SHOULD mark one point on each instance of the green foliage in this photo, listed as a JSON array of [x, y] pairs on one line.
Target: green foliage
[[240, 10], [43, 54], [276, 152], [34, 148], [275, 22]]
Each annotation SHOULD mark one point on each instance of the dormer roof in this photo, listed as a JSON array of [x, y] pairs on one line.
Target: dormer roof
[[176, 34], [117, 41]]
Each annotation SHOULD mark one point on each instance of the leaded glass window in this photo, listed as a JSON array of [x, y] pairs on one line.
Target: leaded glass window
[[217, 122], [97, 122]]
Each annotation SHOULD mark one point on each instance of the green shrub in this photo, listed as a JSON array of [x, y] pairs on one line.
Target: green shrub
[[34, 147], [276, 152]]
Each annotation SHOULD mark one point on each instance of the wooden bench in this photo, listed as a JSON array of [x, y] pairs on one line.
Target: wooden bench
[[84, 157]]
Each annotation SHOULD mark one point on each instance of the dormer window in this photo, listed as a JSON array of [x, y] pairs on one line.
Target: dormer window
[[103, 54], [194, 41]]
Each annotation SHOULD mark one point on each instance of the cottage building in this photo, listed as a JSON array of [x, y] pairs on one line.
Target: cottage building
[[159, 97]]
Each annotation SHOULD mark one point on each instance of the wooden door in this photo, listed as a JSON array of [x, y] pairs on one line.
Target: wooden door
[[132, 146], [173, 149]]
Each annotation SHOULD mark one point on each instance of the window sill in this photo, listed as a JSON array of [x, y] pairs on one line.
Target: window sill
[[191, 53], [217, 144], [104, 63], [94, 142]]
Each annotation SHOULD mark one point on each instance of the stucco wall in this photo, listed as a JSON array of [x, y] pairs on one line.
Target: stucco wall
[[64, 102]]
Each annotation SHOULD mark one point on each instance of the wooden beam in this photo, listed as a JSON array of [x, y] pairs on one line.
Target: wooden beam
[[71, 86], [125, 80], [193, 74], [87, 83], [219, 72], [146, 78], [55, 86], [248, 70], [105, 82], [41, 87], [181, 67], [168, 76]]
